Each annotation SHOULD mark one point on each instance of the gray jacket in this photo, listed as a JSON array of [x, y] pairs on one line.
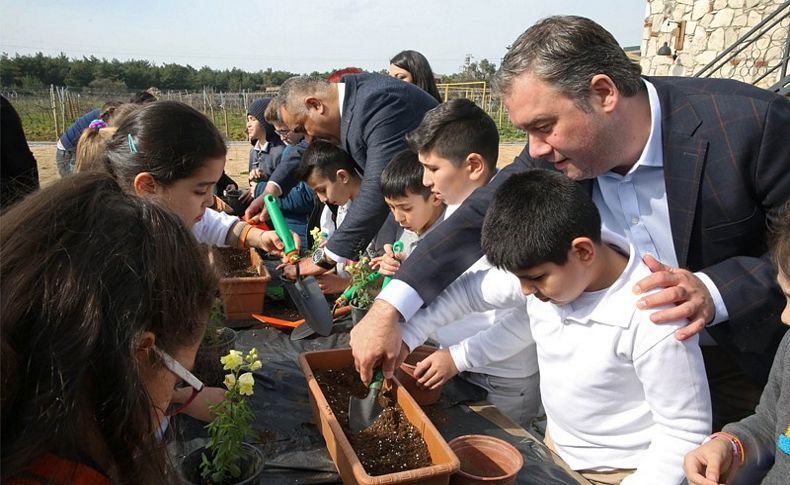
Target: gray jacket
[[761, 432]]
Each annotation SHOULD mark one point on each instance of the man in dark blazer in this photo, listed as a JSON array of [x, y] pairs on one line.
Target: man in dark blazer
[[368, 115], [712, 168]]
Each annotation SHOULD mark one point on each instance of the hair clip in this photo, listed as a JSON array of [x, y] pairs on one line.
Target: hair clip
[[132, 144], [97, 124]]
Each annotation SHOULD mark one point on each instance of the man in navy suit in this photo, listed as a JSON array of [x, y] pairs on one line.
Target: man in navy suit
[[368, 115], [689, 170]]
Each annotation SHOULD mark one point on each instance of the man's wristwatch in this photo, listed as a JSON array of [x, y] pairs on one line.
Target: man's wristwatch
[[320, 260]]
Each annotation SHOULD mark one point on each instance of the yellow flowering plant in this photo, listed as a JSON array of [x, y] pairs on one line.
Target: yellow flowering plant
[[361, 271], [232, 419], [318, 238]]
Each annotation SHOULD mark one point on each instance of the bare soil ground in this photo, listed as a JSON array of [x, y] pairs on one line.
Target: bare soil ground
[[236, 166]]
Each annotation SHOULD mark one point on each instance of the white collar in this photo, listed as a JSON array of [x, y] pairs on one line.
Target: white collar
[[341, 97], [652, 153], [449, 210], [614, 305]]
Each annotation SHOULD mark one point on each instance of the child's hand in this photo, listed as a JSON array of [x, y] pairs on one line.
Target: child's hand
[[289, 271], [256, 174], [306, 268], [246, 196], [332, 284], [389, 263], [436, 369], [710, 462], [270, 242]]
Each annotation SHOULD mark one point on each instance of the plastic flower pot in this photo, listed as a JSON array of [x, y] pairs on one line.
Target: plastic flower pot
[[485, 460], [357, 314], [207, 366], [405, 375], [244, 295], [251, 469], [444, 462]]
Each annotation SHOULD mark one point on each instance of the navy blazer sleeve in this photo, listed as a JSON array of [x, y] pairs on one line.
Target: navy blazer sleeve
[[454, 245], [376, 133]]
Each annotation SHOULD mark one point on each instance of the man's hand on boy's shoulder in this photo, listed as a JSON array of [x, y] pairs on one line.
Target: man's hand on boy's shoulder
[[682, 288]]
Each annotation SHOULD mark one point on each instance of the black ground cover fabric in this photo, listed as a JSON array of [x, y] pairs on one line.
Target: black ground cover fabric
[[294, 450]]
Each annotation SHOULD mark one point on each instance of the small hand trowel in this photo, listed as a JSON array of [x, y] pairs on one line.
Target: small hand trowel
[[363, 412], [305, 292]]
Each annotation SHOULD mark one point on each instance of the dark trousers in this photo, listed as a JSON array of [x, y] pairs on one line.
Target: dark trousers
[[733, 395]]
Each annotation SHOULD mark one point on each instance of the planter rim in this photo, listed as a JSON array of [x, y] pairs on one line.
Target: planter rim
[[473, 440], [360, 473], [231, 337], [252, 451]]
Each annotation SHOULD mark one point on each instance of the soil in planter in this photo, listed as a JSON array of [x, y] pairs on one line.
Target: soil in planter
[[392, 443], [281, 309], [235, 262]]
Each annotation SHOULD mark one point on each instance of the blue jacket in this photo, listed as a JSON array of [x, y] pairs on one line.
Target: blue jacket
[[71, 136], [298, 203]]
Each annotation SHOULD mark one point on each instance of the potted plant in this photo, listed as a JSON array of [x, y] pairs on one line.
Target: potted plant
[[243, 285], [217, 341], [366, 292], [227, 458]]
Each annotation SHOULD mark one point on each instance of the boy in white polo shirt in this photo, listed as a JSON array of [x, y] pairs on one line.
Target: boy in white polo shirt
[[458, 144], [625, 400]]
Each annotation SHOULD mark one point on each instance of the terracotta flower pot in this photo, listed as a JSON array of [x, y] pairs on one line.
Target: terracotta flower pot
[[405, 375], [485, 460], [207, 366], [245, 295], [252, 467], [351, 471]]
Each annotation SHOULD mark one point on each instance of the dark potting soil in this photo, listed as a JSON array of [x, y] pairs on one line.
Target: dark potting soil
[[281, 309], [235, 262], [391, 444]]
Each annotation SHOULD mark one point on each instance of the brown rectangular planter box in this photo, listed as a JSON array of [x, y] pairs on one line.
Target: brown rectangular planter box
[[445, 463], [243, 296]]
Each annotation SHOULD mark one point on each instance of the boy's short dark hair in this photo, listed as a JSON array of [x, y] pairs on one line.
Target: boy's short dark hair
[[455, 129], [534, 217], [403, 176], [326, 159]]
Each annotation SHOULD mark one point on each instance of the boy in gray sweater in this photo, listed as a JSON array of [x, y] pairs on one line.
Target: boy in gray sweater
[[759, 443]]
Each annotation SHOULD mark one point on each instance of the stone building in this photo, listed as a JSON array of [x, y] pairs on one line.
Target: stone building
[[681, 38]]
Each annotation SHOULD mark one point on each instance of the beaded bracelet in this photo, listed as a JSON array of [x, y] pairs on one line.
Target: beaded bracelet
[[736, 444], [243, 236]]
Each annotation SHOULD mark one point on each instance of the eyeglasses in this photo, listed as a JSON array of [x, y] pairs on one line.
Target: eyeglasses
[[176, 368], [283, 133]]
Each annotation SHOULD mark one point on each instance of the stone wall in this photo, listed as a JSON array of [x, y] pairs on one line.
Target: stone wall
[[711, 26]]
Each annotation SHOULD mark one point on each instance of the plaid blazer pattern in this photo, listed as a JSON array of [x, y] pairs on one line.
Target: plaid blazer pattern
[[726, 167]]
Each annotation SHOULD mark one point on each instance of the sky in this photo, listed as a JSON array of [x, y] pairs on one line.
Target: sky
[[299, 36]]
